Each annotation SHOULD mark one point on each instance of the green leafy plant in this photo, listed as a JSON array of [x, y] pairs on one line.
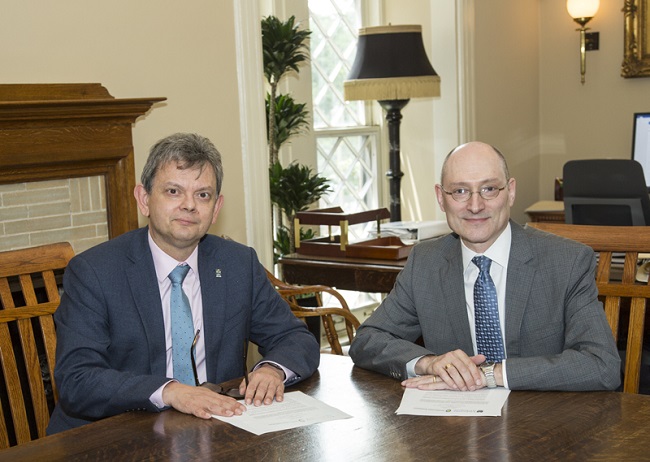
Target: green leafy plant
[[291, 118], [294, 189], [282, 244], [284, 49]]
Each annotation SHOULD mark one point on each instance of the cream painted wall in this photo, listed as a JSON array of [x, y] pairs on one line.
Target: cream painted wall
[[184, 51], [506, 76], [593, 120]]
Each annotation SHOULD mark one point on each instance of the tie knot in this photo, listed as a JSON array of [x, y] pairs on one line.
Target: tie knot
[[482, 262], [178, 274]]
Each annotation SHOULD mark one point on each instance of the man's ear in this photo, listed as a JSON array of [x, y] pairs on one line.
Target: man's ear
[[142, 199], [217, 206], [439, 197]]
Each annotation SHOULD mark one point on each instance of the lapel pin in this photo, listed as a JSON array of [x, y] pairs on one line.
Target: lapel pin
[[217, 273]]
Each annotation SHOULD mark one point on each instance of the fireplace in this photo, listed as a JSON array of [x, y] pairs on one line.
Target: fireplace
[[54, 132]]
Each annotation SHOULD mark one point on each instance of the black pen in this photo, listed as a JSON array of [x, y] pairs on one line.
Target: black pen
[[245, 361], [192, 350]]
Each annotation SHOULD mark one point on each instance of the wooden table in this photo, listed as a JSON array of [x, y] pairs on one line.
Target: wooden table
[[534, 425], [360, 274]]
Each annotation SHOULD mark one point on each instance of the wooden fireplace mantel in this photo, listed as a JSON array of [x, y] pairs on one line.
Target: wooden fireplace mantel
[[56, 131]]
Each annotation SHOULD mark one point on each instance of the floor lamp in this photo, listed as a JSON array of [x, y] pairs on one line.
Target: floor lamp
[[391, 66]]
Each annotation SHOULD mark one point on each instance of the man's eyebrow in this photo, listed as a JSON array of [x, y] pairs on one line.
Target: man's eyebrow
[[206, 188], [170, 184]]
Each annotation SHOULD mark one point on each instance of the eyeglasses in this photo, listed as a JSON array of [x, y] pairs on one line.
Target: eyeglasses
[[463, 195], [232, 392]]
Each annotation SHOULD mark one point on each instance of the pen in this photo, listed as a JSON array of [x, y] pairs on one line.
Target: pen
[[192, 349]]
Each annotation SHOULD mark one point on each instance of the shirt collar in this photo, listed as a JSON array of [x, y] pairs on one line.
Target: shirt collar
[[164, 264], [498, 252]]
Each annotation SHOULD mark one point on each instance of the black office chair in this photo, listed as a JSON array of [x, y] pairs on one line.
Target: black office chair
[[609, 192]]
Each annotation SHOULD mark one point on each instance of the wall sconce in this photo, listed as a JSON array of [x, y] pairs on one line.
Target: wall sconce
[[391, 66], [582, 11]]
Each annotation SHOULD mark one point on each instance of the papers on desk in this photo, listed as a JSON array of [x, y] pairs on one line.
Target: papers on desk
[[484, 402], [297, 410]]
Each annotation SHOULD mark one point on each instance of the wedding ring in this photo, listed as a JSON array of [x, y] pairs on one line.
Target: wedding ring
[[448, 366], [435, 379]]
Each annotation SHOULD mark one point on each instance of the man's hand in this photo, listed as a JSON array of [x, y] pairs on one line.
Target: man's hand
[[264, 384], [200, 401], [450, 371]]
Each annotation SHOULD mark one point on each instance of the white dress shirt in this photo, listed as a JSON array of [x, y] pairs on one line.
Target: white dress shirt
[[499, 253]]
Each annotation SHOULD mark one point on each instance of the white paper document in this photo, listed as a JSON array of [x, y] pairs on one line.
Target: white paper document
[[297, 410], [485, 402]]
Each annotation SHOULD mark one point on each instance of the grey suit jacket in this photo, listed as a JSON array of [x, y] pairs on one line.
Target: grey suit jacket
[[111, 340], [557, 336]]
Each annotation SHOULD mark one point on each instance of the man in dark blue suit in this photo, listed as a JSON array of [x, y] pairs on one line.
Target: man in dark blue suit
[[114, 324]]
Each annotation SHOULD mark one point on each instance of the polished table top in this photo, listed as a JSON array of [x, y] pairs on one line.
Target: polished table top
[[534, 425]]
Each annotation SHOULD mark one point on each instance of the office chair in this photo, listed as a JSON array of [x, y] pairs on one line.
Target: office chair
[[610, 192]]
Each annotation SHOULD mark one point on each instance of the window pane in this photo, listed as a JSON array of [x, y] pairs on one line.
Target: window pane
[[334, 25]]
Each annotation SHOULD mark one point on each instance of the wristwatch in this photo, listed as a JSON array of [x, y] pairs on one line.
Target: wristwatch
[[488, 370]]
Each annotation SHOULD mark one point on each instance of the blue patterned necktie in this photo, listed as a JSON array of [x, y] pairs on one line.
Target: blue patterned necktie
[[182, 327], [486, 313]]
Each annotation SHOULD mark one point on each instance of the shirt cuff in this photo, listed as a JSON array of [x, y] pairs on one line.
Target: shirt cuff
[[503, 373], [289, 375], [156, 397], [410, 367]]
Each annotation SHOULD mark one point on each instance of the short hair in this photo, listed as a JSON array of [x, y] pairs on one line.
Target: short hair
[[504, 164], [189, 150]]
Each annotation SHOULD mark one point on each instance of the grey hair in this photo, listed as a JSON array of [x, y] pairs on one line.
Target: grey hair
[[189, 150]]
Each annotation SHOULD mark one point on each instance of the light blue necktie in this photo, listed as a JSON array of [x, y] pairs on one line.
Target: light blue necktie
[[489, 341], [182, 327]]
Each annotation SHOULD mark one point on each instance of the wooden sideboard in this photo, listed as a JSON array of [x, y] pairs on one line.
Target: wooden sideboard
[[546, 211]]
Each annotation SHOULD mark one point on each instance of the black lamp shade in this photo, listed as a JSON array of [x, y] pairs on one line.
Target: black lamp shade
[[391, 64]]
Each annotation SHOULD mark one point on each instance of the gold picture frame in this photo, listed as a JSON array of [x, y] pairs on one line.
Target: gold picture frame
[[636, 59]]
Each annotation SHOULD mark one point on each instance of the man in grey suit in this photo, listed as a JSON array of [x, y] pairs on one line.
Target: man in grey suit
[[117, 344], [529, 320]]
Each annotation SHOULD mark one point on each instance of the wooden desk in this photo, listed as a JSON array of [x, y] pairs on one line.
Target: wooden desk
[[546, 211], [364, 275], [541, 426]]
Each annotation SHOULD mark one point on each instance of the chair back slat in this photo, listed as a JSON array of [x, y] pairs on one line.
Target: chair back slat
[[612, 307], [290, 293], [616, 282], [29, 295], [18, 414], [634, 345]]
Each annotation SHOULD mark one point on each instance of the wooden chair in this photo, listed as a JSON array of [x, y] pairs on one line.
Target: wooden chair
[[620, 289], [291, 293], [29, 295]]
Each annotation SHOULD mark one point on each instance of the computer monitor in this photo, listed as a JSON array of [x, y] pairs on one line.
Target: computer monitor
[[641, 143]]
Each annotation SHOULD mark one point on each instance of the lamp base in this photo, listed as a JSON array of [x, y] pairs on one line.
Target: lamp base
[[393, 110]]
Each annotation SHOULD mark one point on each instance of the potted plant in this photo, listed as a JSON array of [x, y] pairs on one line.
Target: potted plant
[[296, 187]]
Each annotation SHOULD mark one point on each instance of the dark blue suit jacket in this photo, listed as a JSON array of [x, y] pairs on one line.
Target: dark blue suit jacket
[[111, 339]]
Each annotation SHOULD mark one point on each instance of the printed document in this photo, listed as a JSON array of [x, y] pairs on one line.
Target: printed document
[[297, 410], [484, 402]]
